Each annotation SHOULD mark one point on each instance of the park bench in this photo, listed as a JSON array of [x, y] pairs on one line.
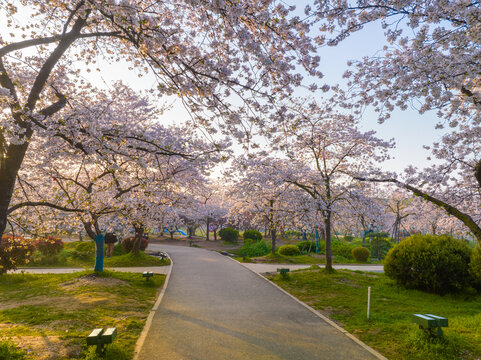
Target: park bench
[[283, 271], [429, 323], [147, 274], [101, 337]]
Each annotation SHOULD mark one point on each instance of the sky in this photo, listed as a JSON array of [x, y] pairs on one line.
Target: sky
[[409, 129]]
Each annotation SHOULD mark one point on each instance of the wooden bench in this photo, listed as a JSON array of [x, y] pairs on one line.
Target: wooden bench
[[147, 274], [283, 271], [101, 337], [429, 323]]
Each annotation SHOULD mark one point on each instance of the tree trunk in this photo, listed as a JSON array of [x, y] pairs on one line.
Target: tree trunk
[[9, 167], [273, 239], [207, 233], [215, 233], [327, 235], [139, 233]]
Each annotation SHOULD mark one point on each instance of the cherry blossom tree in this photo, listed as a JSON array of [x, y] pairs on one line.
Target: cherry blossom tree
[[204, 52], [324, 150], [431, 59]]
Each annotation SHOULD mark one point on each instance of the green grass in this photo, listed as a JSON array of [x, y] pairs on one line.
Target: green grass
[[68, 257], [53, 314], [343, 297], [300, 259]]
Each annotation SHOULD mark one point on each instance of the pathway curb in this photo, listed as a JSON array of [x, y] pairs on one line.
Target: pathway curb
[[317, 313], [148, 322]]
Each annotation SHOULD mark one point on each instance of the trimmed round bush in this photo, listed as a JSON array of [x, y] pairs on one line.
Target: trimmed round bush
[[340, 248], [437, 264], [128, 244], [259, 248], [252, 236], [229, 234], [14, 252], [360, 253], [49, 246], [289, 250]]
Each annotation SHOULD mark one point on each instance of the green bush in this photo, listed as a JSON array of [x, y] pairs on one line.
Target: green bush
[[289, 250], [84, 250], [360, 253], [9, 351], [40, 259], [343, 249], [118, 250], [252, 236], [306, 247], [49, 246], [14, 252], [256, 249], [229, 234], [379, 247], [475, 268], [437, 264], [348, 237]]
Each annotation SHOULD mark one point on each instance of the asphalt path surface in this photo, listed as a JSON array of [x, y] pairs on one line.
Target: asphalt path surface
[[214, 308]]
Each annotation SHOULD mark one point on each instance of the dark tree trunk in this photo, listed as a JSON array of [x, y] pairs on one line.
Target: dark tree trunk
[[273, 239], [327, 235], [207, 231], [215, 234], [139, 233]]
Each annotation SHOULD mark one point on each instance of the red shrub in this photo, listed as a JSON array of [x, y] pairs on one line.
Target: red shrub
[[49, 246], [128, 244]]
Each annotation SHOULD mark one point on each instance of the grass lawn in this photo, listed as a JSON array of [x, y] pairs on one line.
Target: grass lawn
[[71, 257], [300, 259], [343, 297], [50, 316]]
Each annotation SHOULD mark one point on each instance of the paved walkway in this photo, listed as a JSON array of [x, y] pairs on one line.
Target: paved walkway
[[264, 268], [154, 269], [215, 308]]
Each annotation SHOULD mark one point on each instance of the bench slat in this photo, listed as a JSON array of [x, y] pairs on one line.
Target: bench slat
[[94, 336]]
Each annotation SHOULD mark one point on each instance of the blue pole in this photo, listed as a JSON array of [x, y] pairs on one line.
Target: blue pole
[[317, 242], [99, 259]]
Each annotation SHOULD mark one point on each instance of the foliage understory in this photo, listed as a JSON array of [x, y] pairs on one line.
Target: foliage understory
[[343, 297], [50, 316], [70, 257]]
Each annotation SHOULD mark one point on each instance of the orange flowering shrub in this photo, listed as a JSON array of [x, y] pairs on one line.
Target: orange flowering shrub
[[14, 252]]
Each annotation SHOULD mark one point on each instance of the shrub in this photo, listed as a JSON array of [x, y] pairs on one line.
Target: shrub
[[229, 234], [49, 246], [475, 268], [379, 247], [343, 249], [289, 250], [14, 252], [129, 242], [306, 246], [252, 236], [84, 250], [437, 264], [256, 249], [360, 253], [348, 237], [118, 250]]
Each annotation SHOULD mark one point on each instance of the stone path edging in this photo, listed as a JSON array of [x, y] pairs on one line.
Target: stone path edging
[[317, 313], [148, 322]]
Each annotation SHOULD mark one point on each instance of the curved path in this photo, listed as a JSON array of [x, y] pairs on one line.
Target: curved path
[[214, 308]]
